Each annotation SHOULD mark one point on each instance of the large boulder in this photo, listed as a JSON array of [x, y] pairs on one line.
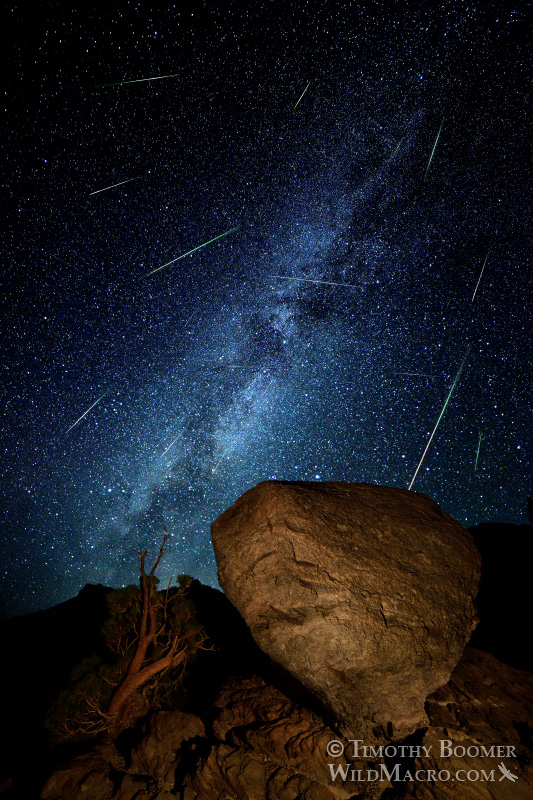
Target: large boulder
[[365, 594]]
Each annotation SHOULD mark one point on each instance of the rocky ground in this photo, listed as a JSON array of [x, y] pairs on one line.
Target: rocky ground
[[257, 743]]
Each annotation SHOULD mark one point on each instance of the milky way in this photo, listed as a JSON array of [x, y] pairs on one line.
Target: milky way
[[317, 333]]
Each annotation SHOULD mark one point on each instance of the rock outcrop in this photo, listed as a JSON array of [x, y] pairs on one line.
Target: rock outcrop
[[480, 739], [257, 743], [270, 747], [365, 594], [155, 755], [149, 770], [87, 776]]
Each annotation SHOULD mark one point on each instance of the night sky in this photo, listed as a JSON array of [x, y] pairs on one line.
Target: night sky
[[303, 132]]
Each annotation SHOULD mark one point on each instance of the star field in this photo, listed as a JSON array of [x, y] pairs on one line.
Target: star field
[[319, 338]]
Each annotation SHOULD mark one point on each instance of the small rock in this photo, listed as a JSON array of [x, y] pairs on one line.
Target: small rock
[[132, 788], [155, 755], [87, 776]]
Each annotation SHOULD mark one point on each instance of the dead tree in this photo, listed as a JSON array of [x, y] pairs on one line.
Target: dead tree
[[152, 634], [142, 669]]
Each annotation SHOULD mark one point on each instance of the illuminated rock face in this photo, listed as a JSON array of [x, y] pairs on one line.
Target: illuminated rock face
[[364, 593]]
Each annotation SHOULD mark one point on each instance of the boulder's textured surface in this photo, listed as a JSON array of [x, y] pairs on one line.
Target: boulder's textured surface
[[365, 594]]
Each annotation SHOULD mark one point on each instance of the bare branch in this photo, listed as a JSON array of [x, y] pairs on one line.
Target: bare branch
[[158, 559]]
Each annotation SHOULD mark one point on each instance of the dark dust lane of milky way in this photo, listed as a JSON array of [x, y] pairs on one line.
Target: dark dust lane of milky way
[[257, 240]]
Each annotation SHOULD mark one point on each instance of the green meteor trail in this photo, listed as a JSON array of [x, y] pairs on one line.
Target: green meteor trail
[[440, 415], [480, 274], [85, 413], [138, 80], [477, 453], [310, 280], [433, 151], [302, 94], [189, 252], [114, 184]]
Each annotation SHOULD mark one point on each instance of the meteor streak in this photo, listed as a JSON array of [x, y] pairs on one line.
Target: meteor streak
[[85, 413], [138, 80], [219, 460], [189, 252], [171, 443], [302, 94], [310, 280], [194, 313], [398, 146], [440, 415], [480, 274], [419, 374], [477, 453], [433, 151], [113, 185]]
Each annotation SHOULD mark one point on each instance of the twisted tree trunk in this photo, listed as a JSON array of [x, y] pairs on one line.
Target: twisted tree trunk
[[138, 675]]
